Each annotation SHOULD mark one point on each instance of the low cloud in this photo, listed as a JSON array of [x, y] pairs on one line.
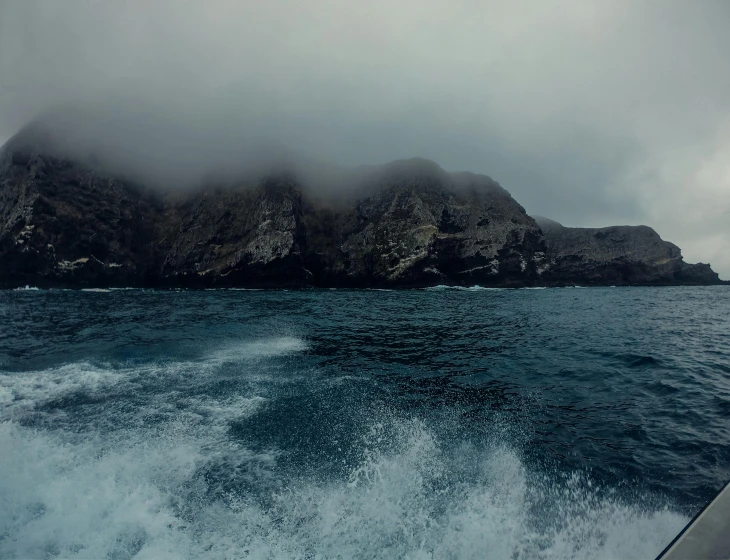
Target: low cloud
[[592, 113]]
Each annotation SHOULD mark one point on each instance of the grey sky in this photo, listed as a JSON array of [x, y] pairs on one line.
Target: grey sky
[[592, 113]]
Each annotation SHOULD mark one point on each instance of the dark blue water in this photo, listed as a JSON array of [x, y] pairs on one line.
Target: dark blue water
[[442, 423]]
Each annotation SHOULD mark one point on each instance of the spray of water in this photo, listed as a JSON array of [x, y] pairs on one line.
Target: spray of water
[[172, 482]]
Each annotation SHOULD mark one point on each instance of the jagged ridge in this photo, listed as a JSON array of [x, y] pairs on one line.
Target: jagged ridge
[[407, 223]]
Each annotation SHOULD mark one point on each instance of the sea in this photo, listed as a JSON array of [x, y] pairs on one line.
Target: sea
[[441, 423]]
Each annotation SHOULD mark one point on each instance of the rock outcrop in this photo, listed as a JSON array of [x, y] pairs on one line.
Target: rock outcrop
[[616, 255], [412, 224], [64, 223], [407, 223]]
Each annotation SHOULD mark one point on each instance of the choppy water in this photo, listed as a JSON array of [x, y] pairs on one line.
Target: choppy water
[[442, 423]]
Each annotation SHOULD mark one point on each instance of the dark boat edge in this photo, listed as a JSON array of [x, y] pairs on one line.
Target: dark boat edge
[[711, 543]]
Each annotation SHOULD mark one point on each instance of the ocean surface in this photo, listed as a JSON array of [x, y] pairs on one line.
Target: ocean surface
[[421, 424]]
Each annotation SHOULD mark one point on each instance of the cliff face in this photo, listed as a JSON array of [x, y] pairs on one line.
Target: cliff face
[[616, 255], [246, 236], [414, 224], [62, 224], [408, 223]]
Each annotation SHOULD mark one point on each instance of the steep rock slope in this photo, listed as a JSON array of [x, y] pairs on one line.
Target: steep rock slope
[[243, 236], [616, 255], [405, 224], [408, 223], [67, 222], [414, 224], [63, 224]]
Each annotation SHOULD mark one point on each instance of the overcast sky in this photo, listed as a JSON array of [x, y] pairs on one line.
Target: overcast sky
[[590, 113]]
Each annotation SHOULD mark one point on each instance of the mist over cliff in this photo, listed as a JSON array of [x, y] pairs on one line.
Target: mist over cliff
[[592, 113], [71, 218], [120, 137]]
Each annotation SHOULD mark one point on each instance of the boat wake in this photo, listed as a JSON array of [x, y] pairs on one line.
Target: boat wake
[[97, 464]]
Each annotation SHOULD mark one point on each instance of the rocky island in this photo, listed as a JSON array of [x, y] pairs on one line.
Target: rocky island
[[67, 222]]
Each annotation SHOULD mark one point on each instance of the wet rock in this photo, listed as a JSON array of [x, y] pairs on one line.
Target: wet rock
[[616, 255]]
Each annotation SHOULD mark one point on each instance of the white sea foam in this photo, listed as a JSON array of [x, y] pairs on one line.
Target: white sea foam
[[441, 287], [217, 412], [23, 391], [72, 500], [145, 497], [149, 490], [255, 349]]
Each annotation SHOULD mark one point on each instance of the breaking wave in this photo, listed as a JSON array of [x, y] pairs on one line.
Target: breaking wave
[[147, 496], [442, 287], [141, 461]]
